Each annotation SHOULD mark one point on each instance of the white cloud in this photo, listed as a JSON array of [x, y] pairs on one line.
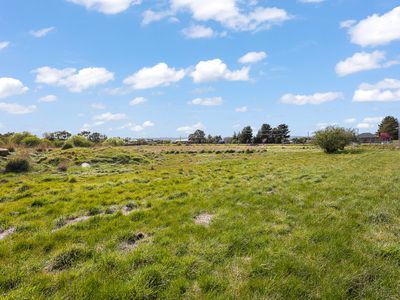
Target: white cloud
[[350, 120], [109, 117], [363, 61], [213, 70], [42, 32], [138, 128], [377, 30], [75, 81], [215, 101], [17, 109], [98, 106], [11, 87], [347, 23], [4, 45], [159, 75], [107, 6], [137, 101], [369, 122], [198, 32], [242, 109], [315, 99], [48, 98], [253, 57], [87, 126], [247, 17], [387, 90], [191, 129]]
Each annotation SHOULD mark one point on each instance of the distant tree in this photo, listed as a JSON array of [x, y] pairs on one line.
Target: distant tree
[[235, 138], [213, 139], [264, 135], [389, 125], [96, 137], [198, 137], [246, 136], [301, 140], [57, 136], [85, 133], [333, 138], [31, 141], [280, 134]]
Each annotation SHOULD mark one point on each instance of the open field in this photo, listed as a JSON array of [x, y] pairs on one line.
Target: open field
[[169, 222]]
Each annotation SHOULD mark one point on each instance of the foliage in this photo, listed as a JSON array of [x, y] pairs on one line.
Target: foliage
[[18, 165], [94, 137], [389, 127], [198, 137], [333, 138], [115, 142], [58, 136], [67, 145], [31, 141], [80, 141], [246, 136]]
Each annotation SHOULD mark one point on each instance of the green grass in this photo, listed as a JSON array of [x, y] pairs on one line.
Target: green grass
[[289, 223]]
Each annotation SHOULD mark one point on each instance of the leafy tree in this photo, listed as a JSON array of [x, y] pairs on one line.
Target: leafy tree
[[85, 134], [198, 137], [57, 136], [246, 136], [280, 134], [333, 138], [389, 125], [214, 139], [264, 135], [96, 137]]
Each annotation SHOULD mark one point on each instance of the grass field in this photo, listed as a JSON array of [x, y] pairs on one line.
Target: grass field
[[201, 222]]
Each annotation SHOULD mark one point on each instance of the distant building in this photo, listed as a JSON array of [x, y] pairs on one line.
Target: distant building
[[368, 138]]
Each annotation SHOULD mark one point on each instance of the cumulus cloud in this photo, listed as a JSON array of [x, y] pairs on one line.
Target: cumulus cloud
[[363, 61], [136, 127], [11, 87], [198, 32], [233, 14], [215, 101], [369, 122], [137, 101], [387, 90], [191, 128], [107, 6], [347, 23], [106, 117], [350, 120], [4, 45], [17, 109], [42, 32], [242, 109], [377, 30], [253, 57], [315, 99], [159, 75], [213, 70], [48, 98], [76, 81]]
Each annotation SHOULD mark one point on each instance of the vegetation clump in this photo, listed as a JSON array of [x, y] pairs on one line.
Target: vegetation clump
[[68, 258], [18, 165], [333, 138]]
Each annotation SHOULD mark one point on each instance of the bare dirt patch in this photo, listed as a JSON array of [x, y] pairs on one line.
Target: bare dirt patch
[[203, 219], [6, 233]]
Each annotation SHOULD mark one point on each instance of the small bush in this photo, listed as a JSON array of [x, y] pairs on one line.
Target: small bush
[[114, 142], [333, 138], [18, 165], [80, 141], [67, 145], [31, 141]]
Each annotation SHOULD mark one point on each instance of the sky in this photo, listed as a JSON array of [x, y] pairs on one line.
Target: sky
[[164, 68]]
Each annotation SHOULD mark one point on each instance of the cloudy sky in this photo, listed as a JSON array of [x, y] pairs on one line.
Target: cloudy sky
[[152, 68]]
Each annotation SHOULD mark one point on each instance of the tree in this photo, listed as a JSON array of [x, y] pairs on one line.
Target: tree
[[333, 138], [96, 137], [198, 137], [280, 134], [246, 136], [57, 136], [264, 135], [389, 125]]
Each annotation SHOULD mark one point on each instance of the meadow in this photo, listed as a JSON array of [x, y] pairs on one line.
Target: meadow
[[202, 222]]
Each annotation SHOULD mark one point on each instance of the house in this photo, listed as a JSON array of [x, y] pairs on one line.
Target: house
[[368, 138]]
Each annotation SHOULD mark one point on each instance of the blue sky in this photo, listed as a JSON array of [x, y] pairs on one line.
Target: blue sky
[[167, 67]]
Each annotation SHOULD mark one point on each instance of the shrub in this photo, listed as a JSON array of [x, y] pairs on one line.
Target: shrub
[[18, 165], [333, 138], [31, 141], [114, 142], [80, 141], [67, 145]]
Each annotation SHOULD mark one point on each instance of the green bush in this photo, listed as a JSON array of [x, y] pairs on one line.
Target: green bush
[[333, 138], [18, 165], [80, 141], [67, 145], [31, 141], [114, 142]]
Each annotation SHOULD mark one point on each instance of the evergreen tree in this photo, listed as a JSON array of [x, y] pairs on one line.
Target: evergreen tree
[[389, 125]]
